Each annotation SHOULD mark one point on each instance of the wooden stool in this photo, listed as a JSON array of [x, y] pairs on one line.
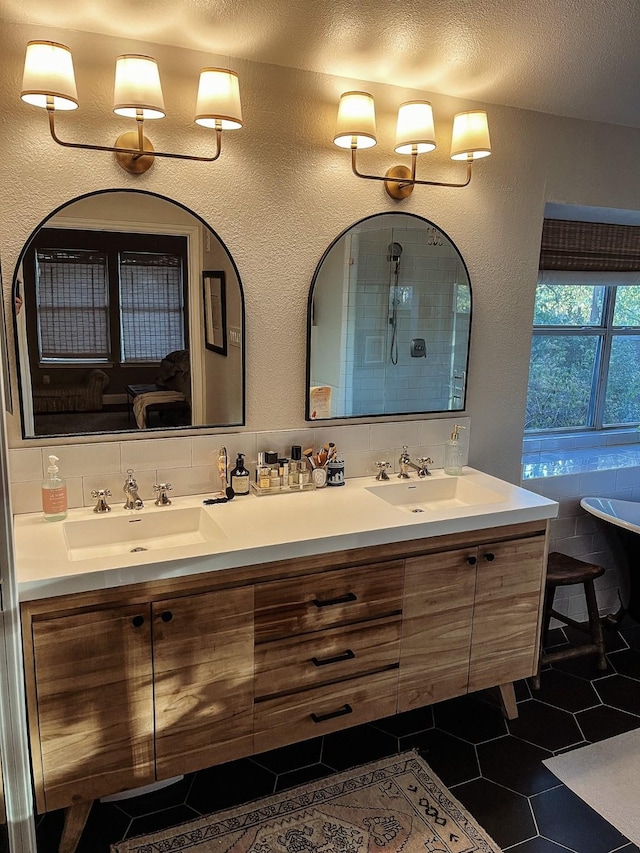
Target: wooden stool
[[564, 571]]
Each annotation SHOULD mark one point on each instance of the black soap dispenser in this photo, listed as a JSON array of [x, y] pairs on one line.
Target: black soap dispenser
[[240, 477]]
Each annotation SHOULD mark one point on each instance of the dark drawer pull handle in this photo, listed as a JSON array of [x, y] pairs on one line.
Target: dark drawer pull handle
[[348, 655], [472, 561], [490, 557], [137, 621], [347, 709], [342, 599], [167, 616]]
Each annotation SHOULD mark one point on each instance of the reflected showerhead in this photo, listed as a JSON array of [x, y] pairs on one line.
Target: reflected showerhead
[[394, 251]]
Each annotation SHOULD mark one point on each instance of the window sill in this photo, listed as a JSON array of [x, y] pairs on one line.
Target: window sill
[[580, 453]]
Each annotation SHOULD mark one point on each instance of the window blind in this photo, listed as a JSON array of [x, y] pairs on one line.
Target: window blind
[[598, 246], [151, 305], [73, 304]]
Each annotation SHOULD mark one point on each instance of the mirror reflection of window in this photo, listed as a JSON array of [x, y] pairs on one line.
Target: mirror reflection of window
[[152, 305], [389, 322], [71, 306]]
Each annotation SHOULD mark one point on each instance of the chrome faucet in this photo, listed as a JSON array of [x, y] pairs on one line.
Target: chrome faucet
[[382, 470], [101, 495], [161, 490], [130, 489], [422, 469], [406, 463]]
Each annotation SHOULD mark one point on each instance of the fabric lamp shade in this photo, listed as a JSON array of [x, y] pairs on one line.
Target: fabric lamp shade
[[414, 130], [218, 102], [48, 73], [356, 121], [137, 89], [470, 136]]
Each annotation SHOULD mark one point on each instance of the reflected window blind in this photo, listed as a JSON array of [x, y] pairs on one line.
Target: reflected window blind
[[73, 304], [151, 305]]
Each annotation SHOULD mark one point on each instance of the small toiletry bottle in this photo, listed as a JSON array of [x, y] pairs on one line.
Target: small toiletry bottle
[[240, 477], [264, 477], [454, 453], [54, 494], [295, 465]]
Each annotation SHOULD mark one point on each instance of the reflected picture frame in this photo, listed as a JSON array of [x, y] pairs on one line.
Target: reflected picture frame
[[215, 311]]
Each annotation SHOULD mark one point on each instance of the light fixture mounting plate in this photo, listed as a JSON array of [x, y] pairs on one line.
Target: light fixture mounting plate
[[395, 185], [135, 164]]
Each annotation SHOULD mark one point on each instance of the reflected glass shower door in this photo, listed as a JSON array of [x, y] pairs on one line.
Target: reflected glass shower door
[[408, 322]]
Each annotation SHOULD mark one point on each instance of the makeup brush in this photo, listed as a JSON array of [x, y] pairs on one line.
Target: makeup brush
[[309, 454]]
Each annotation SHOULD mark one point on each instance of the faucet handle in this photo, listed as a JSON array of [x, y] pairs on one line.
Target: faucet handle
[[382, 470], [423, 461], [101, 496], [161, 490]]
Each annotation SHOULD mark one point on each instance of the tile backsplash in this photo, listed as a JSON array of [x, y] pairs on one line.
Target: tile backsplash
[[189, 463]]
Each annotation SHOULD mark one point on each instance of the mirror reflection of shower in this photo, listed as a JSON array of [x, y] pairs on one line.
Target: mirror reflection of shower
[[389, 321], [393, 257]]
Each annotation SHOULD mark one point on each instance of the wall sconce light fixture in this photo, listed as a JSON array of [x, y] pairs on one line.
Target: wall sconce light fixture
[[49, 82], [356, 128]]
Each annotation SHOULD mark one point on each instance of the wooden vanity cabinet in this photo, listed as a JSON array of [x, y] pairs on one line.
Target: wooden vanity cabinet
[[121, 696], [471, 618], [131, 685]]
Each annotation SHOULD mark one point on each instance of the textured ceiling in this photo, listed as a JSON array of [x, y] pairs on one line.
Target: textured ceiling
[[576, 58]]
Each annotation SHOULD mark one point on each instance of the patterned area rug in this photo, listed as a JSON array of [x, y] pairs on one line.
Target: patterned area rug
[[393, 805]]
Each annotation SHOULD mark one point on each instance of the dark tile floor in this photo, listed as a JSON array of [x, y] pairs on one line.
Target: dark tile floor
[[494, 767]]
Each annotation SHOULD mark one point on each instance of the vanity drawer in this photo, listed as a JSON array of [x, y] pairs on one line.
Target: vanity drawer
[[326, 600], [310, 713], [297, 663]]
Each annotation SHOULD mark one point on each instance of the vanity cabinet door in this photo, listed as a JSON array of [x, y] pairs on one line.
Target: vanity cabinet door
[[437, 623], [510, 578], [470, 619], [95, 703], [203, 675]]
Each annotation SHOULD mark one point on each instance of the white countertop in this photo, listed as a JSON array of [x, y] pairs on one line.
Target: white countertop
[[262, 529]]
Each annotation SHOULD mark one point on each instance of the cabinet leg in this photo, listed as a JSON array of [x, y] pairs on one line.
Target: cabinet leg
[[508, 699], [74, 821]]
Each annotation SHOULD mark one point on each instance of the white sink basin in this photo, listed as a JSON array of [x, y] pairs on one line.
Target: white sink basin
[[435, 494], [105, 535]]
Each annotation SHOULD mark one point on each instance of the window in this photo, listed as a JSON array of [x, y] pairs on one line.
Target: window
[[72, 295], [585, 354], [151, 306], [106, 297]]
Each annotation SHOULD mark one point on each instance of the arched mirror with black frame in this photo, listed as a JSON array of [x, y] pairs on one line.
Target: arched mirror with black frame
[[388, 322], [129, 316]]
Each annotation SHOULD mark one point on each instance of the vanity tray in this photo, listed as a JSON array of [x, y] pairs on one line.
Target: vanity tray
[[281, 490]]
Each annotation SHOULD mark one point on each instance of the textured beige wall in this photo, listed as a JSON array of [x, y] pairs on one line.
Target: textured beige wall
[[281, 192]]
